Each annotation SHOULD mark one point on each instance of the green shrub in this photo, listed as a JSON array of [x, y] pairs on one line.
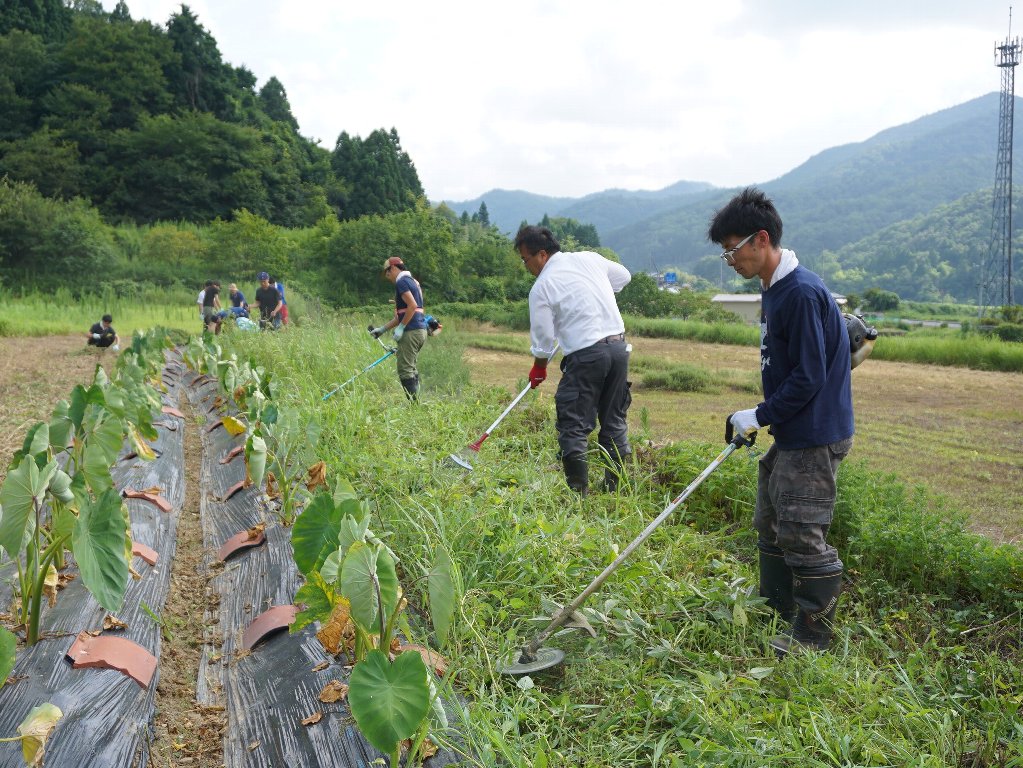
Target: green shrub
[[681, 378], [1009, 332]]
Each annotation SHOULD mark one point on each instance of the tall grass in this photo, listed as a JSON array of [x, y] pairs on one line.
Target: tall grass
[[926, 668], [967, 350]]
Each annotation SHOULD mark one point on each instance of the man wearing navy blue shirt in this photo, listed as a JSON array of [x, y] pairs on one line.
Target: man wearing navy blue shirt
[[805, 370], [409, 323]]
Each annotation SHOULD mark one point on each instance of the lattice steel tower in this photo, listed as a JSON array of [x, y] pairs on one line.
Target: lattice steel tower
[[996, 280]]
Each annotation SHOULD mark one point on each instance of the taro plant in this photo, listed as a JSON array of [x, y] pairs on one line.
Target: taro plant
[[97, 531], [352, 589], [279, 447], [45, 509]]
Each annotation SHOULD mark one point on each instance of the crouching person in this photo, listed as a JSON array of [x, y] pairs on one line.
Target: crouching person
[[103, 335]]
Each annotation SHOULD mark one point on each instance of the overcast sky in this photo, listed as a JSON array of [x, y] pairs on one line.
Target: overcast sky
[[568, 98]]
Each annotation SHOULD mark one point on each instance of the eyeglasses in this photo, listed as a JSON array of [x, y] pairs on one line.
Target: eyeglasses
[[729, 255], [528, 256]]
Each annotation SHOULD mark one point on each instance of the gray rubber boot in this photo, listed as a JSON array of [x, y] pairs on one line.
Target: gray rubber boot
[[776, 584], [577, 473], [816, 599]]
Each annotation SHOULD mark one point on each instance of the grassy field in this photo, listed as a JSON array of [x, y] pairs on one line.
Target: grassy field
[[926, 670], [927, 666]]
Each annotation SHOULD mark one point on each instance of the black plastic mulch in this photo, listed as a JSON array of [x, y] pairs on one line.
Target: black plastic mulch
[[267, 692], [106, 715]]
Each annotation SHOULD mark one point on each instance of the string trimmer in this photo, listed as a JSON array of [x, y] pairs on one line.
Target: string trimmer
[[339, 387], [465, 457], [533, 657]]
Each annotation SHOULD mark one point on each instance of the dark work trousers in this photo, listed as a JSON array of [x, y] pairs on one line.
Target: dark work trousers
[[594, 385], [795, 502]]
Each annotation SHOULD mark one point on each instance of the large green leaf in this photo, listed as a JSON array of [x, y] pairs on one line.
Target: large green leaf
[[441, 586], [37, 440], [8, 644], [364, 563], [319, 601], [314, 535], [61, 428], [21, 487], [109, 436], [99, 546], [60, 486], [389, 700], [351, 531], [96, 468]]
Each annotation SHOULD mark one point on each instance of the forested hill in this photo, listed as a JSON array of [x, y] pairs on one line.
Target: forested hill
[[908, 208], [850, 194], [606, 210], [149, 123]]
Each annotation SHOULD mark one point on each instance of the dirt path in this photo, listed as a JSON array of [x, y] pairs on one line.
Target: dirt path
[[34, 374]]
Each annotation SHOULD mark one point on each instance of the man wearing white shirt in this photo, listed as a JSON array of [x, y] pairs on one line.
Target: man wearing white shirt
[[573, 302]]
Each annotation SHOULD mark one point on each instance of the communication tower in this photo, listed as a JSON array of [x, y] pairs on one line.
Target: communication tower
[[996, 278]]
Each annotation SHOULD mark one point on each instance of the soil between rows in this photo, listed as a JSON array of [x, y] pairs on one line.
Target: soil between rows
[[186, 733]]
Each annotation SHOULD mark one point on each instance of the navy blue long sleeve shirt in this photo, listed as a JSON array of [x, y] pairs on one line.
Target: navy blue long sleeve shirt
[[804, 364]]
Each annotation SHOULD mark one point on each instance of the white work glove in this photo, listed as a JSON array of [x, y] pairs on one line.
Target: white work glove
[[116, 348], [96, 336], [377, 332], [399, 331], [745, 422]]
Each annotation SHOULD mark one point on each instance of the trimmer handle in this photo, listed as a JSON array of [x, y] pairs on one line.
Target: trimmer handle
[[737, 440]]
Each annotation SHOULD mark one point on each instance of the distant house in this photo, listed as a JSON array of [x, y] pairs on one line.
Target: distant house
[[747, 305]]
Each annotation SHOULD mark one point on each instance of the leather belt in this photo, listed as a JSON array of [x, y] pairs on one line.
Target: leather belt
[[611, 339]]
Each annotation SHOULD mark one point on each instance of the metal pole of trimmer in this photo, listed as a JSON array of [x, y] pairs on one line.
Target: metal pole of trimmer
[[534, 658], [463, 459], [339, 387]]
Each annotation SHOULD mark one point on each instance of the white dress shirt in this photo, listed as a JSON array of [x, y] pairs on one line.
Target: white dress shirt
[[573, 301]]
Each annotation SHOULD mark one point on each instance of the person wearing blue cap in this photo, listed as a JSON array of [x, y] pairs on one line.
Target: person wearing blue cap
[[269, 302]]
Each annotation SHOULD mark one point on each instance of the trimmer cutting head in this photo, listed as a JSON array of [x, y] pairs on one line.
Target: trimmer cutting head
[[460, 461], [527, 664]]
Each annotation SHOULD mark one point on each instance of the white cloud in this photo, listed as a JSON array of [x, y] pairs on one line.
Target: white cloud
[[567, 98]]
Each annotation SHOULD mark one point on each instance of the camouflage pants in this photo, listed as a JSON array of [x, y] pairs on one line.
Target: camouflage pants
[[796, 493]]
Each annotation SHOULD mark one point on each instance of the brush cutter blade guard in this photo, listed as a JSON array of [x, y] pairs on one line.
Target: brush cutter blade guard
[[460, 461], [528, 663]]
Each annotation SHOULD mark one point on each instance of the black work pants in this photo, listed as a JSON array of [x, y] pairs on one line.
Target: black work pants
[[594, 386]]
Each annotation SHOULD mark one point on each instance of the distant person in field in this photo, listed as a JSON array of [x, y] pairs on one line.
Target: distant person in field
[[284, 302], [239, 307], [573, 303], [202, 295], [269, 302], [103, 335], [211, 307], [805, 372], [409, 324]]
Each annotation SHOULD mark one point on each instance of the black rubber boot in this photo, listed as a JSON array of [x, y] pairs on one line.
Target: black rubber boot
[[411, 387], [816, 600], [577, 473], [776, 584]]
